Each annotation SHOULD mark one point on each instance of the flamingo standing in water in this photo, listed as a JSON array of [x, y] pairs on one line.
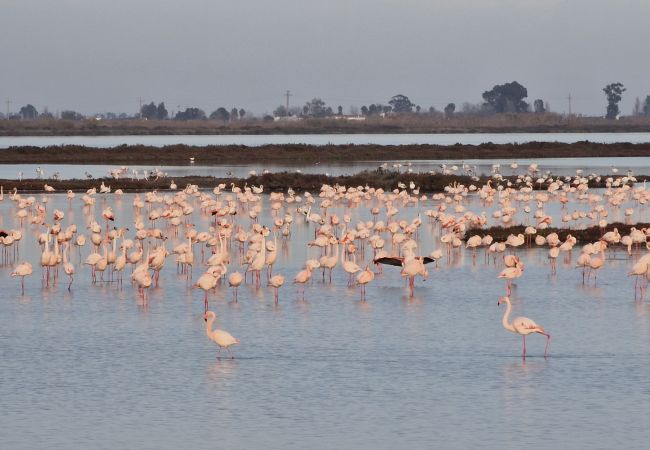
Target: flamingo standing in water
[[235, 280], [276, 282], [206, 282], [222, 338], [522, 325], [22, 270], [68, 268], [510, 273], [364, 278], [303, 277]]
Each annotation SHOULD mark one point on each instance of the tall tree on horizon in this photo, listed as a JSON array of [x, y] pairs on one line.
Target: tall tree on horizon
[[507, 98], [614, 95]]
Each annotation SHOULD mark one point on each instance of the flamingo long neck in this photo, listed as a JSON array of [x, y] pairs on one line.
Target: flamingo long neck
[[208, 326], [506, 316], [263, 249]]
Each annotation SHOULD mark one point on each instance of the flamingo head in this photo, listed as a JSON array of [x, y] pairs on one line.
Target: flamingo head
[[502, 300], [208, 315]]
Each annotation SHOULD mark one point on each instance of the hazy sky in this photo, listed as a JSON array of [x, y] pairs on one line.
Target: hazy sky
[[102, 55]]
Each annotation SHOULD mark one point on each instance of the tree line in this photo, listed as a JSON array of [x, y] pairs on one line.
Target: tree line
[[506, 98]]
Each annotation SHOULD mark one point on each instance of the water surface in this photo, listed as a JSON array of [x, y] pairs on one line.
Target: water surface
[[324, 139], [96, 368]]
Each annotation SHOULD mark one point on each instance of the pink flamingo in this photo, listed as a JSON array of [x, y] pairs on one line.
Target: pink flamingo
[[522, 325]]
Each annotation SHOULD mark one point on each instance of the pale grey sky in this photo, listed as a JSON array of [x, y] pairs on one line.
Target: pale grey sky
[[102, 55]]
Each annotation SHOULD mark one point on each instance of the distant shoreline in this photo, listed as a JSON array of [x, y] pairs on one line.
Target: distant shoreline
[[407, 124], [297, 154]]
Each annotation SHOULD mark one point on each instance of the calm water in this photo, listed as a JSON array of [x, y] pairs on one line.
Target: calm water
[[557, 166], [95, 368], [323, 139]]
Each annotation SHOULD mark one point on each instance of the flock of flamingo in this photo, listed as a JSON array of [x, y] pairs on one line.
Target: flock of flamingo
[[228, 244]]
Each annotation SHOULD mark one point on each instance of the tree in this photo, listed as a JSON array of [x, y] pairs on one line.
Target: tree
[[538, 106], [364, 110], [28, 112], [153, 112], [190, 114], [614, 95], [148, 111], [339, 110], [418, 108], [450, 109], [46, 114], [280, 111], [161, 112], [637, 107], [234, 114], [220, 114], [242, 113], [432, 109], [507, 98], [316, 108], [401, 104], [646, 106], [71, 115]]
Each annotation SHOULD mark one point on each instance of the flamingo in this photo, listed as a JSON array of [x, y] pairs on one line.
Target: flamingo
[[222, 338], [364, 278], [510, 273], [22, 270], [68, 268], [522, 325], [235, 280], [276, 282], [206, 282], [303, 277]]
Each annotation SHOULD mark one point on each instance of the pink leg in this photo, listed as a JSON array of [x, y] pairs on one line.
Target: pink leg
[[548, 341], [524, 355]]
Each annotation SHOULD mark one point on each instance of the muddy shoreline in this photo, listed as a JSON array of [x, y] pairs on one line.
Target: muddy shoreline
[[309, 154], [589, 234], [278, 181]]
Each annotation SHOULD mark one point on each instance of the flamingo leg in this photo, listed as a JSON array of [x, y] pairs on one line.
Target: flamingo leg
[[524, 354], [548, 341]]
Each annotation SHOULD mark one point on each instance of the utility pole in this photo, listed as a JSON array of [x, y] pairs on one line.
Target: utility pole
[[569, 98], [8, 102], [287, 95], [140, 110]]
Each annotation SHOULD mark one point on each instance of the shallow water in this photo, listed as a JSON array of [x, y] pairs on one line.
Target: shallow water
[[324, 139], [95, 367], [557, 166]]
